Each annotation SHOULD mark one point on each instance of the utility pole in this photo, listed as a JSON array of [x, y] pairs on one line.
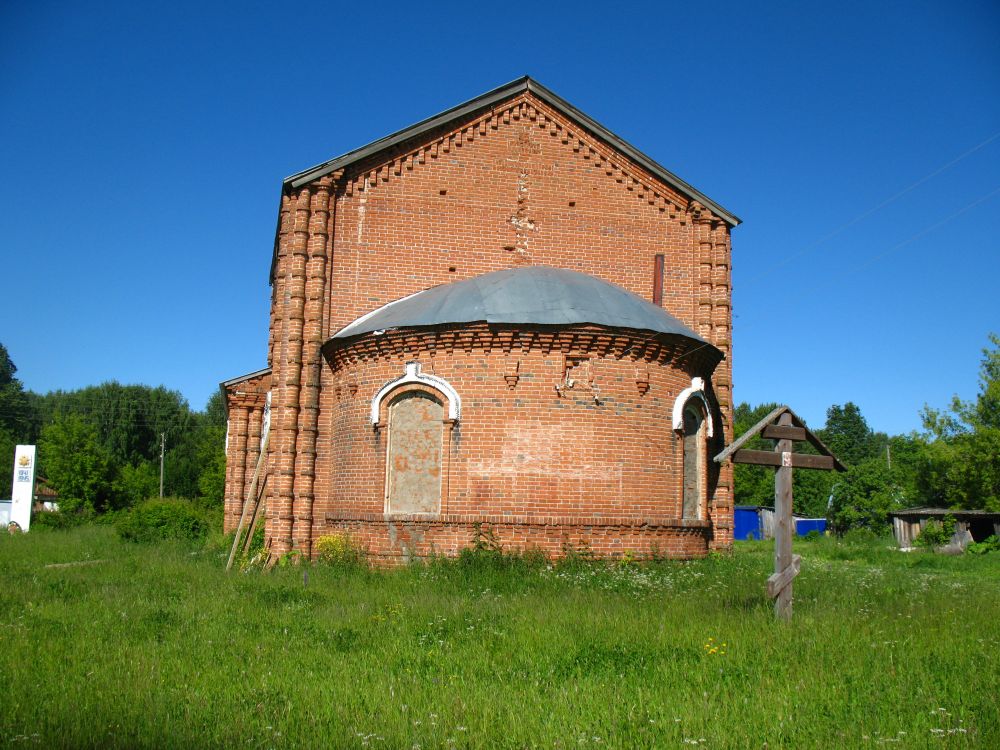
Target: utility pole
[[888, 457], [163, 442]]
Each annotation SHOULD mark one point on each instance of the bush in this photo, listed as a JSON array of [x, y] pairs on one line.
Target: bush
[[936, 533], [340, 550], [860, 536], [990, 544], [168, 518], [56, 520]]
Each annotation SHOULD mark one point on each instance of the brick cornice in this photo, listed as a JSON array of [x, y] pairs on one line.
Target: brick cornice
[[588, 340]]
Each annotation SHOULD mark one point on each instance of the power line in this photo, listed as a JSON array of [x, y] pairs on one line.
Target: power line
[[865, 214], [879, 255], [872, 258]]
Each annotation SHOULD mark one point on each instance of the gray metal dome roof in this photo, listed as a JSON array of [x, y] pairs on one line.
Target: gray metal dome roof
[[539, 295]]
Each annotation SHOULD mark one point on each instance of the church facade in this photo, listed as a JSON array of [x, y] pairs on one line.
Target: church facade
[[502, 321]]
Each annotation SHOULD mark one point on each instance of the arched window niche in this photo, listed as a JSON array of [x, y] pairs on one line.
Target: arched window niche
[[691, 420], [417, 411], [694, 459], [414, 452]]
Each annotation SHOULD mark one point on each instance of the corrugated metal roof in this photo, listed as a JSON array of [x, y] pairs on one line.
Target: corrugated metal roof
[[927, 511], [539, 295]]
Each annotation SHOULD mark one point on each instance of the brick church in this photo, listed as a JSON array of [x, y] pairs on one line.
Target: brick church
[[502, 319]]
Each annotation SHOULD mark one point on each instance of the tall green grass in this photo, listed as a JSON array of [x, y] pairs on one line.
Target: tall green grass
[[158, 647]]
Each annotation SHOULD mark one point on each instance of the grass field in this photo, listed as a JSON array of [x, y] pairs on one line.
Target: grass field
[[158, 647]]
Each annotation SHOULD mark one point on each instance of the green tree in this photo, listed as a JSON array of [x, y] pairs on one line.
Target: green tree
[[8, 444], [847, 434], [960, 466], [129, 418], [16, 418], [76, 464], [753, 485], [212, 450], [811, 489], [135, 484], [865, 495], [196, 465]]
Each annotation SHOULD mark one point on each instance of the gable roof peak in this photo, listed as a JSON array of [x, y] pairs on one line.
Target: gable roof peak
[[518, 86]]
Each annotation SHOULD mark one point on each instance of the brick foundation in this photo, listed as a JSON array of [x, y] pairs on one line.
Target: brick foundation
[[392, 539]]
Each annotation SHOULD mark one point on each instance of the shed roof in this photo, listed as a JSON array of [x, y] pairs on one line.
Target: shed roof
[[226, 384], [539, 295], [242, 378], [937, 512]]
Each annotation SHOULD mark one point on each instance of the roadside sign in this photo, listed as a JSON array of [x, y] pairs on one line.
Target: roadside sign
[[24, 486]]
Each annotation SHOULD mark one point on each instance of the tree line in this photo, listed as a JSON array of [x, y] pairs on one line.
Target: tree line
[[99, 446], [953, 462]]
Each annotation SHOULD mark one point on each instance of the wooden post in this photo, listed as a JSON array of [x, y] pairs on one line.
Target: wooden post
[[251, 494], [782, 426], [783, 522]]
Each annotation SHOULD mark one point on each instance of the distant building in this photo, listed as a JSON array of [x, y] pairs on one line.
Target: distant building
[[503, 318], [46, 497], [970, 525]]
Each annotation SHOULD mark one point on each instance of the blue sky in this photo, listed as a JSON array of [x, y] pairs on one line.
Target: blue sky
[[143, 147]]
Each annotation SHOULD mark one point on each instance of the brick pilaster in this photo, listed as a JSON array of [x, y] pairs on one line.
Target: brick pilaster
[[253, 448], [236, 458], [308, 415], [722, 321], [293, 253]]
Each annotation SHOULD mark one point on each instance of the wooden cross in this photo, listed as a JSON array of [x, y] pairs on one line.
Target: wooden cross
[[785, 428]]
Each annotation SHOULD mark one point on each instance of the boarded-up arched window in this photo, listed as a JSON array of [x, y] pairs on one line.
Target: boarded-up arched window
[[414, 453], [694, 458]]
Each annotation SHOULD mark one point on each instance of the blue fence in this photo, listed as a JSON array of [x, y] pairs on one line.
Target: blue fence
[[804, 525], [746, 522], [754, 522]]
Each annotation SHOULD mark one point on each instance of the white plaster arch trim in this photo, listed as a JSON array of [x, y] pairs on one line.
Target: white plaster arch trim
[[695, 390], [412, 374]]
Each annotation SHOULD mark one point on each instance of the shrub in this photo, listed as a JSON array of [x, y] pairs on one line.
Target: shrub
[[58, 520], [340, 550], [168, 518], [990, 544], [860, 536], [936, 533]]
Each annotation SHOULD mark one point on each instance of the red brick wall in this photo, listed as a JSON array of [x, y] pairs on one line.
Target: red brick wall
[[526, 447], [401, 539], [512, 183], [517, 185], [245, 401]]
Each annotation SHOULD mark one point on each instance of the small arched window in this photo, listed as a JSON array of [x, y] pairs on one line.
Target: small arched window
[[414, 453], [694, 457]]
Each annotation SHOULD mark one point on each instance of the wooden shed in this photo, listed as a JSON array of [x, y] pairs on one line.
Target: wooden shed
[[970, 525]]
